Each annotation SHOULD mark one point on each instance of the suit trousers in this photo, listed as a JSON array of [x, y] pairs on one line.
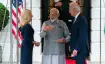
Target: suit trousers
[[80, 58]]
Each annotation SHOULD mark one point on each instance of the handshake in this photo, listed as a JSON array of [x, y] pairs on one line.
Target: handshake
[[36, 43]]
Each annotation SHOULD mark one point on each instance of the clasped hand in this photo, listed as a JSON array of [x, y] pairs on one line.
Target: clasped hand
[[36, 43]]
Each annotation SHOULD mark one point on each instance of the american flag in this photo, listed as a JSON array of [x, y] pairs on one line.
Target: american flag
[[14, 22]]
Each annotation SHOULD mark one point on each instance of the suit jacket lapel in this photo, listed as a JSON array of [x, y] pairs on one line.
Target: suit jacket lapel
[[75, 20]]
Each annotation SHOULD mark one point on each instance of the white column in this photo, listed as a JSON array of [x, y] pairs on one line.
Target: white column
[[95, 33]]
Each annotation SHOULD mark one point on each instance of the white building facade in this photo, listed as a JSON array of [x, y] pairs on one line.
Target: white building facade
[[35, 6]]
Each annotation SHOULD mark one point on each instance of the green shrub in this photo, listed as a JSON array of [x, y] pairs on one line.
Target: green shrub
[[3, 10]]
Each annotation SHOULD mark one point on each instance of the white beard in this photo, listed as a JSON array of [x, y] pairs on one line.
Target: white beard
[[53, 20]]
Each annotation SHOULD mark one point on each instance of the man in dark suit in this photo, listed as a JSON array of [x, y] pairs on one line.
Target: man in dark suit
[[63, 6], [79, 35]]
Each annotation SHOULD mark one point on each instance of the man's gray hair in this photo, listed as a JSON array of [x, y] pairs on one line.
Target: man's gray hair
[[77, 8], [57, 11]]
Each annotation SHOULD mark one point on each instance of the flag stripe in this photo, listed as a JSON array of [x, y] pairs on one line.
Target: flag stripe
[[13, 12], [13, 32], [19, 11], [14, 21]]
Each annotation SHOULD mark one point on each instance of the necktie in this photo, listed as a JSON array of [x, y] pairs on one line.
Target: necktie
[[74, 20]]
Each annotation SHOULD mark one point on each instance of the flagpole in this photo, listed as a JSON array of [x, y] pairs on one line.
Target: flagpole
[[17, 40], [11, 42], [100, 31], [31, 7], [24, 4]]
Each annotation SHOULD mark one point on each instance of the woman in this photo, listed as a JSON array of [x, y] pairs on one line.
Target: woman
[[28, 38]]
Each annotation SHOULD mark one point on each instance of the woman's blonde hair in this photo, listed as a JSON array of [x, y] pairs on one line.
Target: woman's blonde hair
[[25, 19]]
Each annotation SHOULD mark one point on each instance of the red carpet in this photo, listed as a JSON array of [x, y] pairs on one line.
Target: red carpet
[[68, 61]]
